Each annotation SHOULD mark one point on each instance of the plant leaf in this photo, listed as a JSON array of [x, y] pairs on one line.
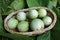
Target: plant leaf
[[32, 3], [45, 36], [7, 6], [17, 4], [54, 2], [57, 11], [8, 11], [1, 23], [15, 36], [59, 1], [43, 3], [55, 32], [4, 5], [50, 5]]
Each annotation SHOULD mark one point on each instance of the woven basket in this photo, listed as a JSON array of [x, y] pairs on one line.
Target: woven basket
[[31, 33]]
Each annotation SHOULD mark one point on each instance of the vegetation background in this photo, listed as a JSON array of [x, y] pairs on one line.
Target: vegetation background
[[8, 6]]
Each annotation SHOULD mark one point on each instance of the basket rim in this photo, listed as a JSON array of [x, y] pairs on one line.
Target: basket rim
[[32, 32]]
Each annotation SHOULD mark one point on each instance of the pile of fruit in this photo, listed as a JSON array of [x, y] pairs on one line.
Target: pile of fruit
[[33, 19]]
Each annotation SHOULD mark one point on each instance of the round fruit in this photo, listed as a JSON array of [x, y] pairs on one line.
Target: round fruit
[[12, 23], [23, 26], [21, 16], [47, 20], [37, 24], [42, 12], [33, 14]]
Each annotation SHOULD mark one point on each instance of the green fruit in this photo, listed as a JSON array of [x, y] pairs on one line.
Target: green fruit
[[37, 24], [33, 14], [23, 26], [42, 12], [12, 23], [21, 16], [47, 20]]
